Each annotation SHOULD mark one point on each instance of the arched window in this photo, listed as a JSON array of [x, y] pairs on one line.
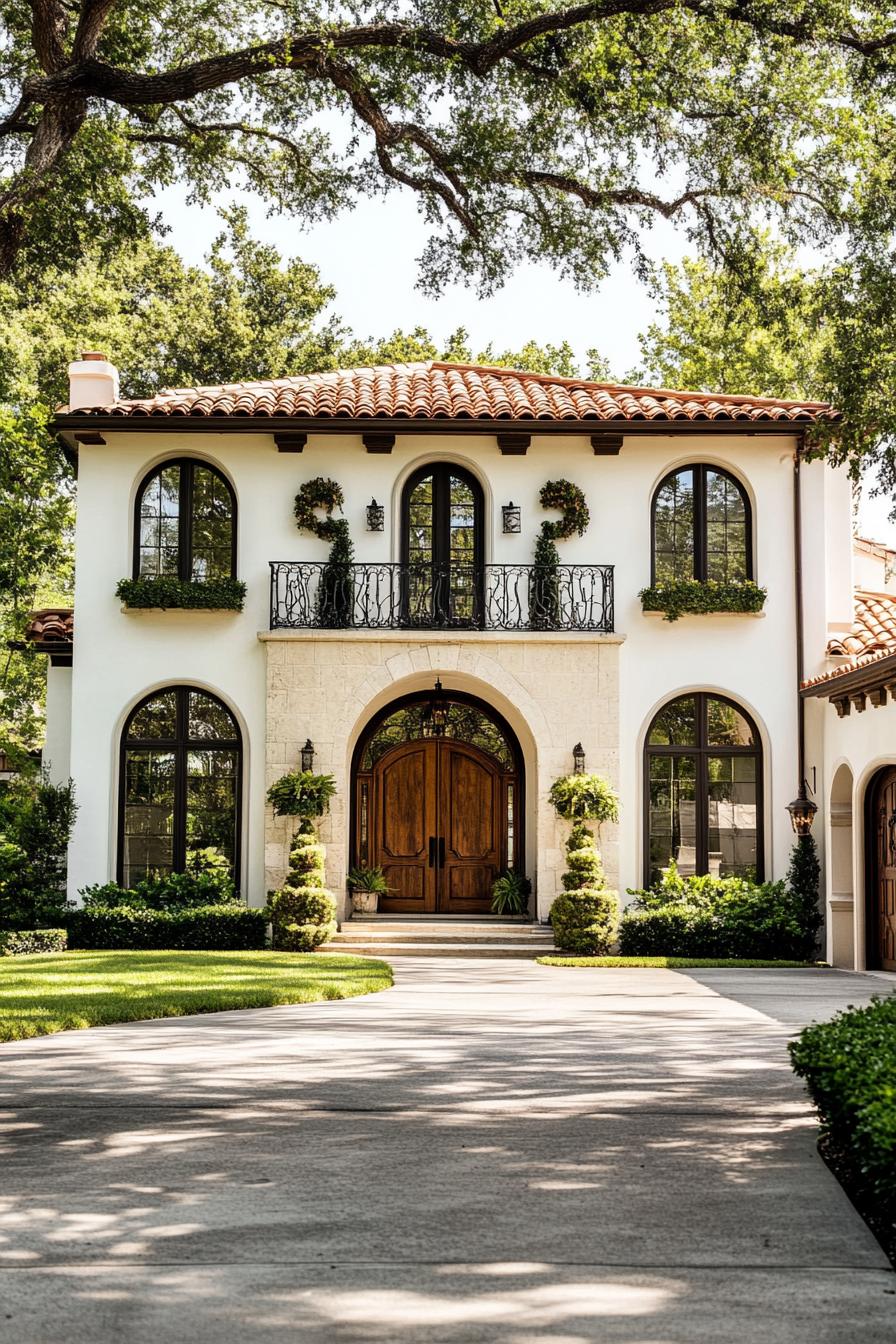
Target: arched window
[[185, 523], [181, 768], [442, 546], [703, 789], [701, 527]]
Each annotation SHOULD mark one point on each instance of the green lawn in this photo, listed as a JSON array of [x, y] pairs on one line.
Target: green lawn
[[57, 992], [676, 963]]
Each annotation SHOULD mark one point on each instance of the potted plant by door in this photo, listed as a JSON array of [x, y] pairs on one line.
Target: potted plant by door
[[366, 886]]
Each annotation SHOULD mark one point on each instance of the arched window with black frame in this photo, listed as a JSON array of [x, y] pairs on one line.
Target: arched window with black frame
[[442, 547], [180, 782], [702, 527], [185, 523], [703, 790]]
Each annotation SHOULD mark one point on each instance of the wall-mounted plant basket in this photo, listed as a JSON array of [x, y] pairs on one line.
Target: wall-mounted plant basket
[[699, 597], [167, 593]]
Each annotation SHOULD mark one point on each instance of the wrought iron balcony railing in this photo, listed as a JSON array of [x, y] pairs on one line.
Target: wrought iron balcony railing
[[307, 595]]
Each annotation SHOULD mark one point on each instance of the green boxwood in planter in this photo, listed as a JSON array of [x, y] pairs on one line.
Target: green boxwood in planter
[[302, 794], [584, 798], [681, 597], [165, 592]]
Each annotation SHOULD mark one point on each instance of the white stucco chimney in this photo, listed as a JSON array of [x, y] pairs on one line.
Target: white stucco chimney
[[92, 381]]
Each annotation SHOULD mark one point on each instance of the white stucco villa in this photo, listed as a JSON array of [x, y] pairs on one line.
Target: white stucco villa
[[174, 722]]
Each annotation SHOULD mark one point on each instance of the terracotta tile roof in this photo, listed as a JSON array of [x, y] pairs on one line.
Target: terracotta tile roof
[[435, 391], [52, 629], [872, 638]]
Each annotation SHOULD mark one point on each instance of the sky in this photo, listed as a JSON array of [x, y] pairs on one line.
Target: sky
[[369, 256]]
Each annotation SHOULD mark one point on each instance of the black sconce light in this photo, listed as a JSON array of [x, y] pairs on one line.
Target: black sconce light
[[578, 759], [308, 755], [376, 517], [802, 811], [510, 515]]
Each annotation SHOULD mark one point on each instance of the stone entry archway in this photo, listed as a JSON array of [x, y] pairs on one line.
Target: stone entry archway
[[437, 790]]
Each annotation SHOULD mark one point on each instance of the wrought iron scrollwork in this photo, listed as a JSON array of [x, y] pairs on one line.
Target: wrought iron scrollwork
[[308, 595]]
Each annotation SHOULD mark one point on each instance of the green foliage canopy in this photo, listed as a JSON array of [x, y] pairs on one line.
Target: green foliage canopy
[[525, 129]]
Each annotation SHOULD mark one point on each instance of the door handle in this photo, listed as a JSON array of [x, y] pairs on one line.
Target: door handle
[[432, 850], [441, 851]]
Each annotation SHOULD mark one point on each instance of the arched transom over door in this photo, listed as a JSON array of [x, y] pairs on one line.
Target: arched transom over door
[[882, 912], [437, 802]]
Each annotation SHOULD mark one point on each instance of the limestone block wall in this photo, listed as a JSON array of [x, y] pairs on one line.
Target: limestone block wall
[[553, 689]]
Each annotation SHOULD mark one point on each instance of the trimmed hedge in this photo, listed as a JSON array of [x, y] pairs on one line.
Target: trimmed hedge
[[168, 593], [202, 928], [24, 942], [849, 1065]]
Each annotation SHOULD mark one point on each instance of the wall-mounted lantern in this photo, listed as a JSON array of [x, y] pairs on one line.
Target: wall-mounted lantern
[[578, 759], [802, 811], [510, 517], [376, 517], [308, 755]]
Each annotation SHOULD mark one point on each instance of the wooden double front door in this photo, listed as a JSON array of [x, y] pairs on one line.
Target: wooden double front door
[[882, 914], [439, 826]]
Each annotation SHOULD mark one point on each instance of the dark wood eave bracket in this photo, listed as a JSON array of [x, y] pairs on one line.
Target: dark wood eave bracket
[[875, 683], [513, 436]]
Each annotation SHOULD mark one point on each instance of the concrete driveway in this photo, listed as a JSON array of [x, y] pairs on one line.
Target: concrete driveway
[[492, 1150]]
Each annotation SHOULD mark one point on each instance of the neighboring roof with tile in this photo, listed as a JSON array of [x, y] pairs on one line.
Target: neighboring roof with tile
[[52, 629], [437, 391], [871, 640]]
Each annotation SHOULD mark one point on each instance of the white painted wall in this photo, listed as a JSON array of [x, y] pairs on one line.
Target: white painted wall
[[123, 655], [56, 753]]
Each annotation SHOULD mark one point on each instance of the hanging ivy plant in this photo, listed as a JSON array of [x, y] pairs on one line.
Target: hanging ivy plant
[[544, 586], [336, 593]]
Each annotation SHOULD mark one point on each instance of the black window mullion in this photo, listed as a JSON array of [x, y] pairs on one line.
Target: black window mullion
[[700, 565], [702, 772], [185, 523], [179, 842]]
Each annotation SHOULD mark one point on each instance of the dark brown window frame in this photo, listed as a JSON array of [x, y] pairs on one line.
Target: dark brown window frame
[[699, 526], [441, 472], [181, 744], [701, 752], [187, 466]]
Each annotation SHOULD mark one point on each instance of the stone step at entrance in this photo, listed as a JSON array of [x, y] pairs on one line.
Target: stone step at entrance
[[450, 936]]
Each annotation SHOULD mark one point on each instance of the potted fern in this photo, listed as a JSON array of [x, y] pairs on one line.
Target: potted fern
[[510, 894], [366, 886]]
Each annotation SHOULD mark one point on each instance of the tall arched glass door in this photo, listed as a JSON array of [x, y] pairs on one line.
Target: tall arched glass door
[[442, 547]]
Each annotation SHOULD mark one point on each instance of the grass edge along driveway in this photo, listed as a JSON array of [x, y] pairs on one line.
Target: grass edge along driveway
[[680, 963], [64, 991]]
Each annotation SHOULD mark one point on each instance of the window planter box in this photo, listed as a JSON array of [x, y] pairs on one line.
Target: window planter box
[[695, 597], [168, 593]]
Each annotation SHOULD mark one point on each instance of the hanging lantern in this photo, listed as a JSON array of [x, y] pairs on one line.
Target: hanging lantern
[[510, 515], [376, 517], [802, 811], [436, 715], [308, 755], [578, 759]]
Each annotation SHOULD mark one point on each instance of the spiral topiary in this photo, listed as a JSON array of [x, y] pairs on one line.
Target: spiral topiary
[[544, 583], [302, 911], [585, 915]]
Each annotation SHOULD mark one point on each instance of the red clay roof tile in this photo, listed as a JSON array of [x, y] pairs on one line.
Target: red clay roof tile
[[872, 637], [434, 390], [52, 629]]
